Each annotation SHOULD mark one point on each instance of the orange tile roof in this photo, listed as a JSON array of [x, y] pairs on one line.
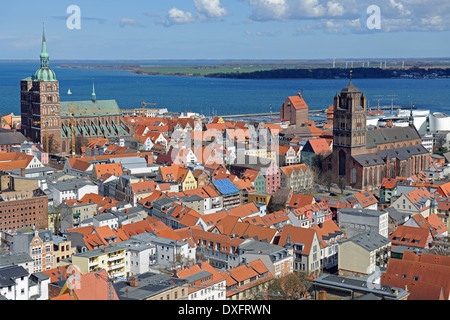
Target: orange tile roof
[[300, 200], [137, 228], [287, 170], [416, 196], [410, 236], [274, 218], [143, 187], [83, 230], [295, 235], [298, 102], [319, 145], [168, 233], [366, 198], [243, 272], [250, 174], [58, 273], [111, 168], [437, 224], [245, 185], [325, 230], [156, 224], [419, 277], [226, 243], [94, 286], [388, 183], [173, 173], [243, 210], [444, 190]]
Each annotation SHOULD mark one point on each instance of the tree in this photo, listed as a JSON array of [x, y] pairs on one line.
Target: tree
[[293, 286], [57, 215], [79, 143], [342, 184], [440, 150], [328, 181], [53, 144]]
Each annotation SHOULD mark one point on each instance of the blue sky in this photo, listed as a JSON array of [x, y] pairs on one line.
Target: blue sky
[[226, 29]]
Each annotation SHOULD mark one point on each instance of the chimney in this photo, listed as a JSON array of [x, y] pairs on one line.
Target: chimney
[[322, 295], [133, 281]]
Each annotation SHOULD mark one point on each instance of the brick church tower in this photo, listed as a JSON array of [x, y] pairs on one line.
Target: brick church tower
[[40, 105], [349, 132]]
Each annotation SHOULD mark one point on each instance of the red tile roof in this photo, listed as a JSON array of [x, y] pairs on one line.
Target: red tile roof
[[298, 102], [426, 277], [293, 235], [410, 236]]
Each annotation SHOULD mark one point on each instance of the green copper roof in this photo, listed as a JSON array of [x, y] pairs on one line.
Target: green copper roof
[[44, 73], [90, 108], [94, 96]]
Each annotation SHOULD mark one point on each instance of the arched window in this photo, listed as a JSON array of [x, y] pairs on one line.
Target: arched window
[[342, 163]]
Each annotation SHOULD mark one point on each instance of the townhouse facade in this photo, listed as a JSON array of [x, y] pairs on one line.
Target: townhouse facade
[[297, 177], [38, 244], [363, 253], [304, 245]]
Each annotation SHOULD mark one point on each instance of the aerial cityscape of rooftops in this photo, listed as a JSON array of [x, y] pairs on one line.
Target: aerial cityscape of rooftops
[[101, 202]]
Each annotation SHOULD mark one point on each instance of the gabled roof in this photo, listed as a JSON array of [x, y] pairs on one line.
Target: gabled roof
[[174, 173], [418, 197], [410, 236], [365, 198], [437, 224], [425, 277], [291, 235], [271, 219], [444, 190], [300, 200], [297, 101], [389, 183], [111, 168], [318, 146], [327, 230], [245, 185], [94, 286], [143, 187]]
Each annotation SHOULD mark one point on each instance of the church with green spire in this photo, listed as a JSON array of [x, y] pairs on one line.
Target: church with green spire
[[49, 121]]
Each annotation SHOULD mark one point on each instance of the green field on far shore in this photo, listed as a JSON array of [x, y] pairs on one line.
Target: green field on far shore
[[201, 70]]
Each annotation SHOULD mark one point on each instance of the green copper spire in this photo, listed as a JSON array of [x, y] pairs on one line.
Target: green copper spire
[[94, 96], [44, 73], [44, 53]]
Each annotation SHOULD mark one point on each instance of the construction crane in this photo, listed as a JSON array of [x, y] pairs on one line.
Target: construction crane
[[144, 104]]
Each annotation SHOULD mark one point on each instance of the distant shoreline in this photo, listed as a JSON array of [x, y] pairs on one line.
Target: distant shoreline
[[272, 71]]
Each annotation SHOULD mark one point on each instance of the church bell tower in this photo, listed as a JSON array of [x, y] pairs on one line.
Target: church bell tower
[[349, 131], [40, 105]]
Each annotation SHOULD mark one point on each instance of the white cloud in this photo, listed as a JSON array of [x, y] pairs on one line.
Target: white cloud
[[177, 16], [129, 22], [210, 8], [5, 37], [396, 15], [335, 9], [268, 9]]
